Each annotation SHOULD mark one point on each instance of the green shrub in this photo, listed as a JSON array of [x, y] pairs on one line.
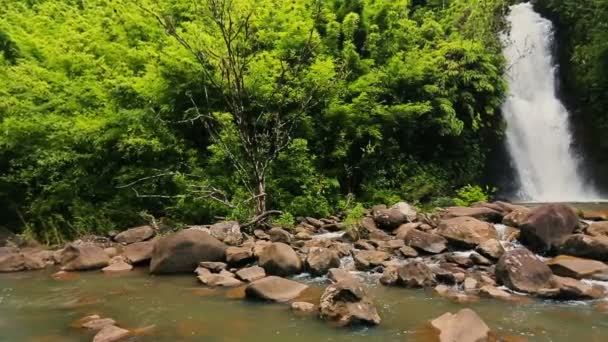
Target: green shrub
[[354, 216], [285, 220], [470, 194]]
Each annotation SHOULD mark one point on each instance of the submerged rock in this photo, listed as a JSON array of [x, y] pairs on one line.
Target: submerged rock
[[546, 225], [520, 270], [280, 259], [118, 266], [464, 326], [304, 307], [184, 250], [136, 234], [347, 303], [83, 257], [274, 289], [111, 333], [466, 232]]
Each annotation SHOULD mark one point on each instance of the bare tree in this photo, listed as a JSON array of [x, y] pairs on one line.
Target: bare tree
[[263, 130]]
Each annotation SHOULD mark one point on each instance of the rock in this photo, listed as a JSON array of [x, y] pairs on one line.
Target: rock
[[425, 242], [516, 217], [406, 210], [408, 252], [250, 274], [274, 289], [364, 245], [137, 234], [83, 257], [477, 259], [573, 267], [218, 279], [139, 252], [260, 246], [279, 235], [239, 256], [314, 222], [459, 259], [447, 292], [184, 250], [213, 266], [260, 234], [111, 333], [585, 246], [598, 229], [520, 270], [470, 284], [304, 307], [395, 244], [570, 288], [389, 219], [366, 260], [480, 213], [280, 259], [347, 303], [98, 324], [111, 252], [319, 260], [546, 226], [333, 227], [415, 274], [390, 276], [496, 293], [337, 275], [405, 228], [491, 248], [464, 326], [303, 236], [228, 232], [466, 232], [37, 259], [117, 267]]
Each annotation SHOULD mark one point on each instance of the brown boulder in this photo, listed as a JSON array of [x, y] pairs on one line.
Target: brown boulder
[[464, 326], [182, 251], [136, 234], [347, 303], [516, 217], [279, 235], [573, 267], [11, 260], [389, 219], [546, 226], [319, 260], [303, 307], [520, 270], [250, 274], [366, 260], [466, 232], [228, 232], [570, 288], [480, 213], [139, 252], [425, 242], [598, 229], [415, 274], [491, 248], [274, 289], [238, 256], [280, 259], [585, 246], [83, 257], [117, 267], [37, 259]]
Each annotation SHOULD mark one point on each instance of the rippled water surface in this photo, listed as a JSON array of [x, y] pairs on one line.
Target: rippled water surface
[[35, 307]]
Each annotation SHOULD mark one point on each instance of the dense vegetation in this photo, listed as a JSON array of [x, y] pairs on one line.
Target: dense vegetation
[[582, 37], [112, 112]]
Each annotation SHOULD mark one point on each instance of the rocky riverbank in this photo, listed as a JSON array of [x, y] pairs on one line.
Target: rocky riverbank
[[488, 250]]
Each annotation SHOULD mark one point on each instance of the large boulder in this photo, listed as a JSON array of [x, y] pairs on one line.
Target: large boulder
[[250, 274], [415, 274], [274, 289], [319, 260], [570, 288], [366, 260], [466, 232], [480, 213], [229, 232], [491, 248], [425, 242], [347, 303], [389, 219], [139, 252], [464, 326], [585, 246], [516, 217], [136, 234], [36, 259], [573, 267], [546, 226], [406, 210], [598, 229], [239, 256], [280, 259], [183, 251], [11, 260], [520, 270], [83, 257]]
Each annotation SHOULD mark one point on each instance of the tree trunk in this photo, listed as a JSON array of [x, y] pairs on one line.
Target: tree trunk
[[260, 196]]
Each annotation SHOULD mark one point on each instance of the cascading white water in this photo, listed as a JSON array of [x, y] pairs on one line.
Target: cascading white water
[[538, 133]]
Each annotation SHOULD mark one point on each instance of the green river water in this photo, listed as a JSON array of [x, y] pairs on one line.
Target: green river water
[[35, 307]]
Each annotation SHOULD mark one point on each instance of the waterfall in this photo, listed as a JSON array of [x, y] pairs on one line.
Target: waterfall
[[538, 133]]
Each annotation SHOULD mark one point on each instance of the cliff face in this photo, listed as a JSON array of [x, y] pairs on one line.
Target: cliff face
[[580, 86]]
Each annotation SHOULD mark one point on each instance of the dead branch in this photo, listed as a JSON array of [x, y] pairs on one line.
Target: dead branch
[[263, 216]]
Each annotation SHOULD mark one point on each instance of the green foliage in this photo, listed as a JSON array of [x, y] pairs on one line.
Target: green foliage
[[354, 216], [470, 194], [285, 220], [385, 100]]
